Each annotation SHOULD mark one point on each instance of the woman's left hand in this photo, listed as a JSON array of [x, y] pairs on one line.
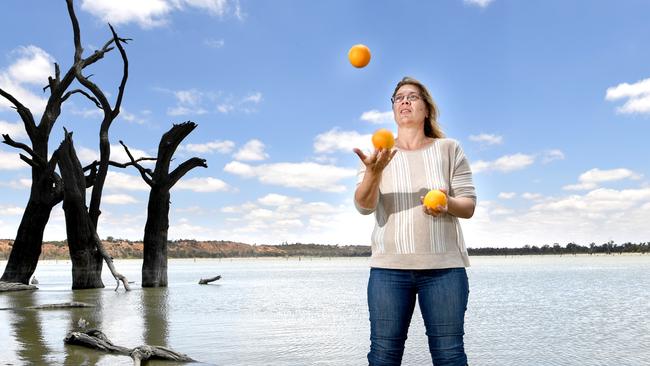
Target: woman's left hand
[[436, 211]]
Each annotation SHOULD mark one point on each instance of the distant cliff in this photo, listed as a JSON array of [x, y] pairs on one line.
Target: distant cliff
[[204, 249]]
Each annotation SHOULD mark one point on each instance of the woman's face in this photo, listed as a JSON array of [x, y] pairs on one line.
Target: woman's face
[[408, 107]]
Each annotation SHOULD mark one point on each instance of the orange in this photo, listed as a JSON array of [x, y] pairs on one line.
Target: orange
[[359, 55], [435, 198], [382, 138]]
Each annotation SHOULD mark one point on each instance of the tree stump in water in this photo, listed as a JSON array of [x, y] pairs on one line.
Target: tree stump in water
[[205, 281], [95, 339]]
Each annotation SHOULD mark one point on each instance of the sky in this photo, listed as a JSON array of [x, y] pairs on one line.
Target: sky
[[550, 101]]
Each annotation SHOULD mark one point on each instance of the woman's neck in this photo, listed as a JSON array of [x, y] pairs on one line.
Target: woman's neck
[[410, 139]]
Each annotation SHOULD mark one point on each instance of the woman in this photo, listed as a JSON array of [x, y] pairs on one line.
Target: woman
[[416, 250]]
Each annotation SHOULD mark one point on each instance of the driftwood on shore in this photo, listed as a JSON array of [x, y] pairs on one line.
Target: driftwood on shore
[[205, 281], [95, 339], [15, 286]]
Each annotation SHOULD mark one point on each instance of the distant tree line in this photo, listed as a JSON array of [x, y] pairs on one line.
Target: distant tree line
[[189, 248], [571, 248]]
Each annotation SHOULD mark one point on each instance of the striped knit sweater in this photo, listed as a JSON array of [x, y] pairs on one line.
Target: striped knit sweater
[[404, 236]]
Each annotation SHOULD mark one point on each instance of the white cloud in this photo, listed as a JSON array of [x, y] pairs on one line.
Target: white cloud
[[147, 13], [118, 199], [118, 181], [601, 200], [132, 117], [597, 216], [507, 195], [488, 139], [253, 98], [188, 102], [253, 150], [637, 95], [336, 140], [222, 147], [504, 164], [580, 186], [20, 184], [87, 112], [277, 222], [225, 108], [214, 7], [31, 68], [377, 117], [191, 97], [11, 161], [305, 176], [214, 43], [11, 210], [479, 3], [154, 13], [241, 169], [184, 111], [15, 130], [273, 199], [597, 176], [532, 196], [552, 155], [202, 185], [591, 178]]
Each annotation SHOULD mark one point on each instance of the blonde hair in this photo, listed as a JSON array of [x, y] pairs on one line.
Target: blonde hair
[[431, 126]]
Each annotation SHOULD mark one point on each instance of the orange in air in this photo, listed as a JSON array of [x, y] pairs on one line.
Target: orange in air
[[435, 198], [382, 138], [359, 55]]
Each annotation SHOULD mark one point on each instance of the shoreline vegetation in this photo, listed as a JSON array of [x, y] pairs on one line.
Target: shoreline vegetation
[[127, 249]]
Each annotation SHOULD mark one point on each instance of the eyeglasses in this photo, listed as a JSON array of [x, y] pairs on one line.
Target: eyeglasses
[[400, 97]]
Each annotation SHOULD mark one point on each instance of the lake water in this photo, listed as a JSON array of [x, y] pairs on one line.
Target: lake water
[[551, 310]]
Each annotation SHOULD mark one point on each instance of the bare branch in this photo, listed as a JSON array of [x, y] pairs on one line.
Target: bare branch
[[78, 50], [92, 99], [117, 165], [24, 112], [141, 169], [185, 167], [28, 160], [19, 145], [125, 71]]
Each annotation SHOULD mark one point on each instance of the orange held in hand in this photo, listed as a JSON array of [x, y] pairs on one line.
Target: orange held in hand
[[435, 198], [382, 138], [359, 55]]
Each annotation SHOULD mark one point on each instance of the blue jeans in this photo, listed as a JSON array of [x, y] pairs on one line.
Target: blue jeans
[[442, 294]]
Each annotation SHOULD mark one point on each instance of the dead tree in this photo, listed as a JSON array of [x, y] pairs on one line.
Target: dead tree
[[46, 189], [154, 266], [86, 250], [81, 222]]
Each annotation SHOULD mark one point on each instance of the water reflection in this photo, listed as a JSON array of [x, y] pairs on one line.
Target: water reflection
[[27, 329], [155, 306], [81, 319]]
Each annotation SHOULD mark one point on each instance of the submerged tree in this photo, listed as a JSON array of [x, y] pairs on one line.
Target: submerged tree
[[46, 189], [86, 249], [154, 266]]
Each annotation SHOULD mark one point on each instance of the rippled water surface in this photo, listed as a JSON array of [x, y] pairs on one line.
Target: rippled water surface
[[523, 311]]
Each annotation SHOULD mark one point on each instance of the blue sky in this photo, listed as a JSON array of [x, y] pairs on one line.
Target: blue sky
[[549, 99]]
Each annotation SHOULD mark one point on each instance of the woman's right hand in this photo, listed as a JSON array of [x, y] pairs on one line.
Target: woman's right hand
[[378, 160]]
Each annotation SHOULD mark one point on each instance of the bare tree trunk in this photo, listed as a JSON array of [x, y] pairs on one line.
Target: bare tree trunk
[[84, 254], [154, 266], [27, 246]]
